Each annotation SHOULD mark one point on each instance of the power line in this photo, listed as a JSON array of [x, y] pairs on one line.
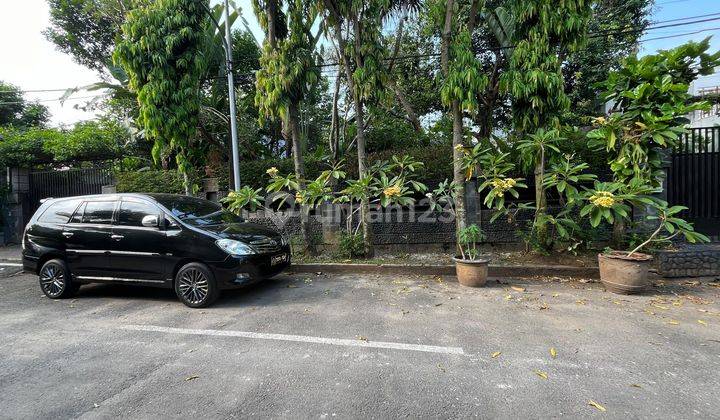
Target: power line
[[52, 100], [657, 25]]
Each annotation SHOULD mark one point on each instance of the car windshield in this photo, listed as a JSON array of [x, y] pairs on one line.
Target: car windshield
[[198, 212]]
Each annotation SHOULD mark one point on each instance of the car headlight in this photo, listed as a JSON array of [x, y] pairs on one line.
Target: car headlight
[[233, 247]]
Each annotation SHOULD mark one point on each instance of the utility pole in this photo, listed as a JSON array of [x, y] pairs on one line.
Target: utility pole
[[231, 98]]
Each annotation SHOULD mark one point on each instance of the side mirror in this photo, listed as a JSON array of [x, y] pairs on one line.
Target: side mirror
[[150, 221]]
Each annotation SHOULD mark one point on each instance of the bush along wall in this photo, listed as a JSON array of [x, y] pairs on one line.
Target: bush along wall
[[150, 181]]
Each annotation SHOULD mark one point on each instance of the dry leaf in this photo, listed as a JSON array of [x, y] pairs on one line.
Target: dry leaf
[[361, 338], [518, 288], [701, 322], [555, 294], [664, 308], [541, 374], [544, 306], [635, 385], [291, 286], [508, 297], [596, 405], [553, 352], [190, 378], [673, 322], [439, 366], [496, 354]]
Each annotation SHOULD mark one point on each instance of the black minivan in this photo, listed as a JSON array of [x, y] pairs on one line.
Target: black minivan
[[189, 244]]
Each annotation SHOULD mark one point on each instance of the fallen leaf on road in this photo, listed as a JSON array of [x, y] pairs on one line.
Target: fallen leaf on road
[[438, 304], [635, 385], [291, 286], [701, 322], [508, 297], [673, 322], [361, 338], [496, 354], [191, 378], [596, 405], [541, 374], [555, 294], [518, 288], [439, 366], [544, 306], [404, 312], [692, 283], [664, 308], [553, 352], [714, 284], [581, 302]]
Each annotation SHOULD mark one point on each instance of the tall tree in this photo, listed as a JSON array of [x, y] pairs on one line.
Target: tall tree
[[618, 26], [86, 29], [463, 81], [16, 111], [287, 74], [160, 50], [356, 29], [545, 31]]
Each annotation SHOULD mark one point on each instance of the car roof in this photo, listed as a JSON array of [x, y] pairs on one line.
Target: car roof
[[157, 197]]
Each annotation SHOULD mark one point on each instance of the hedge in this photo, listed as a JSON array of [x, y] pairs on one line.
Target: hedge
[[153, 181]]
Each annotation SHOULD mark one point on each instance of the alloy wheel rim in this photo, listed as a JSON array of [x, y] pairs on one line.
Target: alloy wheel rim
[[193, 286], [52, 279]]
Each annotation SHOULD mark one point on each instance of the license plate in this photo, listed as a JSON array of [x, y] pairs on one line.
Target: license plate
[[278, 259]]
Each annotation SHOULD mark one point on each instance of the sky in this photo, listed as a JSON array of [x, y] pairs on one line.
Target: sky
[[32, 62]]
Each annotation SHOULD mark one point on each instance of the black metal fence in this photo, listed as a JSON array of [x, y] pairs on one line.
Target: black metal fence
[[694, 178], [66, 183]]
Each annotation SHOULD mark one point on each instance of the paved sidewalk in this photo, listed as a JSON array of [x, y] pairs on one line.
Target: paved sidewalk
[[11, 253]]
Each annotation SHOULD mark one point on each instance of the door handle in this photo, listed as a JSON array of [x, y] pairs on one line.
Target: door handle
[[67, 234], [116, 237]]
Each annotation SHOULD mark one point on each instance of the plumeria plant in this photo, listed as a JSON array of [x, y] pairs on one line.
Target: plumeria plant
[[610, 201]]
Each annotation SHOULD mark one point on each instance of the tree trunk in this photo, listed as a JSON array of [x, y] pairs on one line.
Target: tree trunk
[[540, 203], [407, 106], [458, 173], [618, 234], [360, 139], [297, 152], [335, 123]]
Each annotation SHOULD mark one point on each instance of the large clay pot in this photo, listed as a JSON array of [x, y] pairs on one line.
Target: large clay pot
[[471, 273], [622, 274]]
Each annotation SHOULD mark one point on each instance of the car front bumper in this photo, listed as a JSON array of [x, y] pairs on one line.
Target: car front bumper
[[237, 271]]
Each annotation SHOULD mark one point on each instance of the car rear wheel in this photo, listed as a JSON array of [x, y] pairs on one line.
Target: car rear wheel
[[56, 280], [195, 285]]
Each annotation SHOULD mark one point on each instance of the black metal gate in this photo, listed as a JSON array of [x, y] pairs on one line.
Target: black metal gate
[[694, 179], [66, 183]]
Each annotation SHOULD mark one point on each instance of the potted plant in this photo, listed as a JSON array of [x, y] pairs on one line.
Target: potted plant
[[626, 272], [471, 269]]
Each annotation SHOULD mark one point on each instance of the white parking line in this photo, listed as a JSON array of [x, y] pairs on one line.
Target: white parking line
[[299, 338], [6, 264]]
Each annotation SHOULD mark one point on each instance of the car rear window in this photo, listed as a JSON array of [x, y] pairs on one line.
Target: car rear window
[[59, 212]]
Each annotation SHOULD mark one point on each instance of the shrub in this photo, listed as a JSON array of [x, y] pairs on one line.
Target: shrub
[[350, 245], [158, 181]]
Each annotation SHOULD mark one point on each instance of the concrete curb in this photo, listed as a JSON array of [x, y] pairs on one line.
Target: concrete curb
[[448, 270]]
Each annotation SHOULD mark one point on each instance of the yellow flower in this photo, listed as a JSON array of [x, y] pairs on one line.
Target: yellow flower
[[603, 199], [599, 121], [392, 191], [502, 185], [272, 172], [299, 197], [510, 182], [459, 147]]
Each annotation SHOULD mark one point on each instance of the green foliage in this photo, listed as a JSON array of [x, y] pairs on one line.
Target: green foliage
[[651, 103], [161, 51], [16, 111], [87, 141], [246, 198], [288, 69], [468, 239], [543, 29], [589, 66], [23, 148], [465, 80], [565, 176], [149, 181], [350, 245]]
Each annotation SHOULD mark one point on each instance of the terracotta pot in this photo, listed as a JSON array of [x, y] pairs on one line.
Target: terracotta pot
[[471, 273], [622, 274]]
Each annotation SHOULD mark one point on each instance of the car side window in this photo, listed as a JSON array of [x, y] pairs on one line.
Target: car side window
[[98, 212], [59, 212], [132, 212]]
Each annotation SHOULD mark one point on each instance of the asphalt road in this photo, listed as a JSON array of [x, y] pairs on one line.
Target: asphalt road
[[309, 346]]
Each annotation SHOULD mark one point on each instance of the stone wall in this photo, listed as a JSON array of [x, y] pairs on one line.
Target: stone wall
[[690, 261]]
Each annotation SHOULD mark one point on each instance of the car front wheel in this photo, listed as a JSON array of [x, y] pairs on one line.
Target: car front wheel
[[195, 285], [56, 280]]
